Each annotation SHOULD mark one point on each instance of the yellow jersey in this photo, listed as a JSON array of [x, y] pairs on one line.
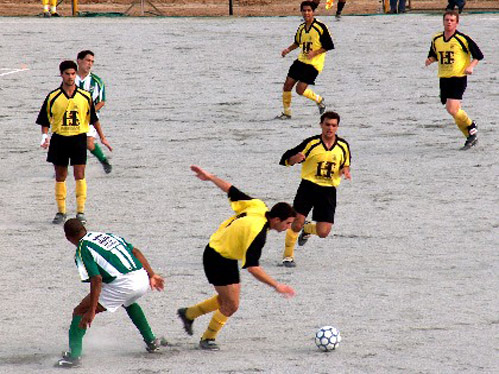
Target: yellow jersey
[[453, 55], [67, 116], [315, 37], [322, 165], [242, 236]]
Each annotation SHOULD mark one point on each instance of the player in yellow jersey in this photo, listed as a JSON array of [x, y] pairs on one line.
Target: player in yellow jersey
[[314, 40], [457, 55], [241, 237], [50, 11], [68, 111], [325, 159]]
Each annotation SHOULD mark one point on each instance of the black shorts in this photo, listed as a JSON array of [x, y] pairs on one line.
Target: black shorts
[[302, 72], [65, 148], [219, 270], [322, 199], [452, 88]]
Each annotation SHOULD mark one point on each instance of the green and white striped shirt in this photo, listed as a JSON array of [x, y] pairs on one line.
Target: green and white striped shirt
[[104, 254], [93, 84]]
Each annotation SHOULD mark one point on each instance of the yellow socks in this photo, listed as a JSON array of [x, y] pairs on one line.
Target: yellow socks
[[310, 228], [463, 121], [207, 306], [309, 94], [286, 102], [60, 196], [217, 322], [81, 195], [289, 243]]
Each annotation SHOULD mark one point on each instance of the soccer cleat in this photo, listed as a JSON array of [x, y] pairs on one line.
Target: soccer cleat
[[303, 238], [55, 14], [470, 142], [46, 14], [59, 218], [338, 16], [68, 362], [322, 106], [81, 217], [155, 344], [107, 166], [208, 345], [288, 262], [283, 116], [181, 313]]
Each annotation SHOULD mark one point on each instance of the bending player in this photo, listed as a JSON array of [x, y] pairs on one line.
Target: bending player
[[241, 237]]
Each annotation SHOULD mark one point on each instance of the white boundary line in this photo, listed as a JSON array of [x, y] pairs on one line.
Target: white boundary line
[[12, 71]]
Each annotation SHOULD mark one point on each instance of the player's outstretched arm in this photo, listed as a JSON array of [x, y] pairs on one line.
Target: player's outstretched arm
[[262, 276], [156, 281], [205, 176]]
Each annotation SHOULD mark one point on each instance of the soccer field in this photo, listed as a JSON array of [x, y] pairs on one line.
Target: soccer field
[[410, 275]]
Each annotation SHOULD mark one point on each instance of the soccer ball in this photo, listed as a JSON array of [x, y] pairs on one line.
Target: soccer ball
[[327, 338]]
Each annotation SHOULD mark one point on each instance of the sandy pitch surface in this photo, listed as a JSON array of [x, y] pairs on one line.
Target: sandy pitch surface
[[410, 274]]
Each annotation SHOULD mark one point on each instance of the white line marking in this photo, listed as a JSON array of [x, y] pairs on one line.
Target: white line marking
[[12, 71]]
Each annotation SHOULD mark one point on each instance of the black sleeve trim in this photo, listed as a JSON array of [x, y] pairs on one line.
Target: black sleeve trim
[[475, 51], [254, 251], [295, 150], [42, 118], [235, 195], [325, 38]]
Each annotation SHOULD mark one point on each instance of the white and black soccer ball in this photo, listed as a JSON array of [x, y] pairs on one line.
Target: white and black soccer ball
[[327, 338]]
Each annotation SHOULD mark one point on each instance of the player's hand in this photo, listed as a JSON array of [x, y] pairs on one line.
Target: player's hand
[[428, 61], [311, 54], [468, 70], [284, 52], [87, 319], [297, 158], [45, 141], [346, 173], [157, 282], [200, 173], [286, 290], [106, 143]]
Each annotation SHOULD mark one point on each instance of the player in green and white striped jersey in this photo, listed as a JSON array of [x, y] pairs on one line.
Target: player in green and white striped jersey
[[92, 83], [119, 275]]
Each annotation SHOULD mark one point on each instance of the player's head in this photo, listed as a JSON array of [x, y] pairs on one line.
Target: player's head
[[85, 60], [281, 216], [74, 230], [68, 64], [330, 115], [305, 4], [451, 13]]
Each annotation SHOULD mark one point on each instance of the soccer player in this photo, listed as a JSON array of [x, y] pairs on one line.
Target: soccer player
[[87, 80], [119, 274], [68, 111], [241, 237], [314, 40], [325, 159], [50, 11], [453, 50]]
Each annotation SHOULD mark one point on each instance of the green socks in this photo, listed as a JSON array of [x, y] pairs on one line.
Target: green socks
[[139, 319], [76, 337], [97, 152]]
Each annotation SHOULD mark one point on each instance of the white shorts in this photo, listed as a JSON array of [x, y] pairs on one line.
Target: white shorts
[[92, 132], [124, 290]]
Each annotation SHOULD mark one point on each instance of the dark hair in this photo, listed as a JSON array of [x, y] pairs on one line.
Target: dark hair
[[330, 115], [83, 54], [311, 4], [282, 211], [68, 64], [451, 13], [73, 228]]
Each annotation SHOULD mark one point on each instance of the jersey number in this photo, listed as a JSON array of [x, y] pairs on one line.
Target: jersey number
[[446, 58], [117, 249], [307, 46]]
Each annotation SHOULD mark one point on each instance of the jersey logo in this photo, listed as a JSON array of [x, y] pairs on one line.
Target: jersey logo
[[325, 169], [70, 118], [446, 57], [307, 46]]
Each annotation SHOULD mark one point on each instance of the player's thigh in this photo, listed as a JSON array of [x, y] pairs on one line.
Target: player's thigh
[[220, 271], [452, 88], [304, 199], [78, 154], [124, 290], [59, 150], [302, 72], [84, 306], [228, 298], [324, 204]]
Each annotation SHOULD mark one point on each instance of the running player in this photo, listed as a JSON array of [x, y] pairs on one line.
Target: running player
[[453, 50], [119, 274], [314, 40], [325, 158], [241, 237], [68, 111], [90, 82]]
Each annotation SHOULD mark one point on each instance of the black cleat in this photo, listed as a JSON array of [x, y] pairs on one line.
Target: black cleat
[[303, 238], [283, 116], [209, 345], [321, 106], [81, 217], [181, 313], [107, 166], [155, 344], [288, 262], [59, 218], [68, 362], [471, 141]]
